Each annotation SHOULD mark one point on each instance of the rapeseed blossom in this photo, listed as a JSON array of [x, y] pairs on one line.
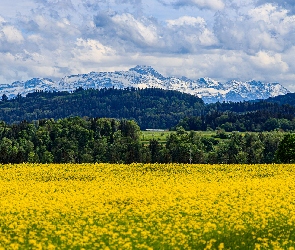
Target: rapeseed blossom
[[147, 206]]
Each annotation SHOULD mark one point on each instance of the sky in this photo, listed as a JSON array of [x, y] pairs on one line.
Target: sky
[[220, 39]]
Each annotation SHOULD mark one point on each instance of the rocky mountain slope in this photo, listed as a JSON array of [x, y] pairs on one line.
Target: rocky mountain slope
[[147, 77]]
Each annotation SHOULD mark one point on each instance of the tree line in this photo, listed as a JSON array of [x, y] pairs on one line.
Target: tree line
[[81, 140], [255, 121], [226, 148], [153, 108], [150, 108]]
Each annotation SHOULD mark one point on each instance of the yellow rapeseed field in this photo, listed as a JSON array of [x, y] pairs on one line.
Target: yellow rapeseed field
[[147, 206]]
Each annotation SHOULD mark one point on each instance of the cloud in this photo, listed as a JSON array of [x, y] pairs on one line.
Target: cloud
[[91, 51], [103, 20], [192, 31], [12, 35], [269, 62], [289, 5], [55, 4], [11, 38], [113, 6], [133, 2], [125, 32], [202, 4], [222, 39], [2, 20], [144, 31], [36, 45], [136, 4], [266, 27], [186, 20]]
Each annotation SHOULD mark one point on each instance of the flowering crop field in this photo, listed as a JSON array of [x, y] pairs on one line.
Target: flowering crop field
[[147, 206]]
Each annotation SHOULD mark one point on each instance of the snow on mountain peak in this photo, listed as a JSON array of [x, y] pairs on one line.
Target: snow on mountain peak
[[147, 70], [142, 76]]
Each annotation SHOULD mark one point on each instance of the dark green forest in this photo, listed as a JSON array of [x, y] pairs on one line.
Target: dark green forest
[[153, 109], [256, 121], [80, 140], [150, 108], [105, 126], [255, 116], [288, 99]]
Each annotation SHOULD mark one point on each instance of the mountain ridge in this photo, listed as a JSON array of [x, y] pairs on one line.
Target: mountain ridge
[[144, 76]]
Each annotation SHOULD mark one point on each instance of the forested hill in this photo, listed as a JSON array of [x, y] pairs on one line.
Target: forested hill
[[244, 116], [150, 108], [283, 99], [153, 108]]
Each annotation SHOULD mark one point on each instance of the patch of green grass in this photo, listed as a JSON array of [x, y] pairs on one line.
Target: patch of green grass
[[161, 136]]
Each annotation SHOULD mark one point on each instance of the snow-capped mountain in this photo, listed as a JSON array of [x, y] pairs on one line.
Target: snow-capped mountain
[[146, 77], [23, 88]]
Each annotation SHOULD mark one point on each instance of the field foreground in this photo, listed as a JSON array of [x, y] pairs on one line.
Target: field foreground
[[151, 206]]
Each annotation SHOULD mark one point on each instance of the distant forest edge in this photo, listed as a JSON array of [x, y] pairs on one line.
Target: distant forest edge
[[150, 108], [153, 108], [89, 140]]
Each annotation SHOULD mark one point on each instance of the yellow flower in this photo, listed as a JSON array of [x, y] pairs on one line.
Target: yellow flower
[[149, 206]]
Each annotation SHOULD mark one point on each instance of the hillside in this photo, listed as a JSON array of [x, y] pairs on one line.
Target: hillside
[[150, 108], [153, 109], [288, 99], [245, 116], [142, 77]]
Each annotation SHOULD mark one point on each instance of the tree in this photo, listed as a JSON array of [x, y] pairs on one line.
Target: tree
[[235, 146], [286, 149], [8, 151], [271, 124], [4, 98], [254, 148], [155, 148], [271, 143]]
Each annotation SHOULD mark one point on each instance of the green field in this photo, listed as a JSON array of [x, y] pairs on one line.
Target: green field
[[161, 136]]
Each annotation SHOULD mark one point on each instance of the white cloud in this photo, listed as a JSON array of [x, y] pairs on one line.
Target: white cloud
[[266, 27], [288, 57], [269, 61], [91, 51], [35, 38], [127, 33], [2, 20], [222, 39], [268, 13], [186, 20], [289, 5], [138, 31], [212, 4], [12, 35], [193, 30]]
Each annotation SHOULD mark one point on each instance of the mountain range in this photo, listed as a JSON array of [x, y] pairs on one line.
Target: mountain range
[[146, 77]]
